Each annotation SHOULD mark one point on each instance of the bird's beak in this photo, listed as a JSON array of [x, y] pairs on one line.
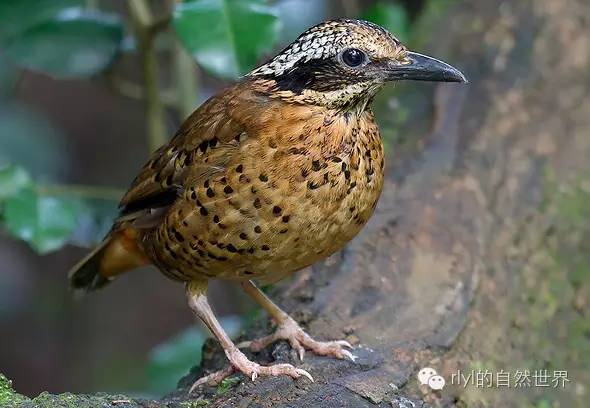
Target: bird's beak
[[420, 67]]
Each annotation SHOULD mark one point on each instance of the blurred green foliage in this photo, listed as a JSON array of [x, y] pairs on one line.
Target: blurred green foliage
[[174, 358], [8, 76], [23, 128], [44, 222], [61, 38], [238, 33], [45, 217], [392, 16], [12, 180]]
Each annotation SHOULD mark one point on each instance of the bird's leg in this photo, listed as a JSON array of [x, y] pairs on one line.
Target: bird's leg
[[197, 300], [289, 330]]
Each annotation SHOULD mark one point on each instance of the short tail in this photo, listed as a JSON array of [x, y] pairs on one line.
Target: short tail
[[118, 253], [85, 275]]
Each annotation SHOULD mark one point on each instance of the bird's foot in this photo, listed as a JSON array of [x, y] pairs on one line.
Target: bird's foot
[[241, 363], [212, 379], [300, 340]]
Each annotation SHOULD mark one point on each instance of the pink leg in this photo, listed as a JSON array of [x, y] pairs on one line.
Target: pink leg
[[289, 330], [197, 301]]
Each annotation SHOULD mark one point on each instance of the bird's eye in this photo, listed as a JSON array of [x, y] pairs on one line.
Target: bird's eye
[[353, 57]]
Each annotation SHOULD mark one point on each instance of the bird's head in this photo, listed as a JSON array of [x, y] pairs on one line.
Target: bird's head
[[341, 64]]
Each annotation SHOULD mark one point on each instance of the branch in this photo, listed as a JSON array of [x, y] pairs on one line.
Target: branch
[[135, 91], [186, 81], [82, 191], [143, 23]]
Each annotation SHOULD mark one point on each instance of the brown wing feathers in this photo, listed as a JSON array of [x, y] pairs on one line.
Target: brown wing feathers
[[202, 146]]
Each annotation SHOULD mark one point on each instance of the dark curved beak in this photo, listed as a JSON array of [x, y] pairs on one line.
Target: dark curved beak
[[424, 68]]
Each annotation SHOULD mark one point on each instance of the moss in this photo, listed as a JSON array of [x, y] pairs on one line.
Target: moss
[[226, 384], [68, 400], [194, 404], [543, 323], [8, 397], [11, 399]]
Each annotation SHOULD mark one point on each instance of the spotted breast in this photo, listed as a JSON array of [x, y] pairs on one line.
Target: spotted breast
[[268, 191]]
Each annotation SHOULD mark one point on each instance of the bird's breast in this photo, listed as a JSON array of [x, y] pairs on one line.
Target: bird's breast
[[337, 187], [293, 195]]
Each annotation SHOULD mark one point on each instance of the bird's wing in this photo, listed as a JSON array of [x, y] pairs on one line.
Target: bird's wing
[[203, 145]]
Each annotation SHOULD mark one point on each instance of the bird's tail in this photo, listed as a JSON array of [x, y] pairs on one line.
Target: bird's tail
[[118, 253]]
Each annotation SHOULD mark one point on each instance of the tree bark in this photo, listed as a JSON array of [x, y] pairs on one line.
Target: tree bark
[[464, 208]]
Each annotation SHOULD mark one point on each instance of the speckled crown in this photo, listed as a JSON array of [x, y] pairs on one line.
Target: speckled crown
[[326, 40]]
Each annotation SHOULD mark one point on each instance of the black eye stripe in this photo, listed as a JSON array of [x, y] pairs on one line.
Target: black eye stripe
[[353, 57]]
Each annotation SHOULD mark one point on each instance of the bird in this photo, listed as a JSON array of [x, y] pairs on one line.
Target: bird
[[264, 179]]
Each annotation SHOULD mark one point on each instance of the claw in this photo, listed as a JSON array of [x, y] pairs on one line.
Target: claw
[[343, 343], [254, 376], [301, 353], [194, 387], [305, 374], [300, 341], [212, 379], [349, 355], [296, 345]]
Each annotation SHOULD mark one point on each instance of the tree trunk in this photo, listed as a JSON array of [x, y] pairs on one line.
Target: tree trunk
[[471, 205]]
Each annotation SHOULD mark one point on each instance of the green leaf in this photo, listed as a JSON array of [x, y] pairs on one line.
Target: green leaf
[[226, 37], [44, 222], [12, 180], [71, 42], [30, 140], [20, 15], [47, 220], [8, 76], [173, 359], [391, 16]]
